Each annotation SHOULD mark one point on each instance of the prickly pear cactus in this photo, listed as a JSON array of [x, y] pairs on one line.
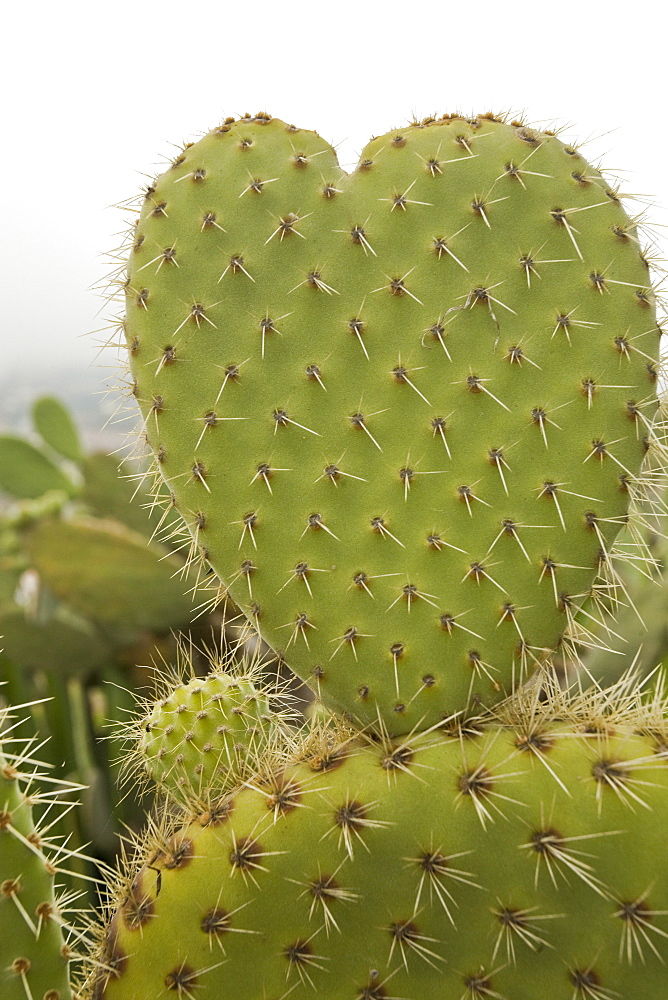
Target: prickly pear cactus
[[403, 411], [34, 955], [499, 858]]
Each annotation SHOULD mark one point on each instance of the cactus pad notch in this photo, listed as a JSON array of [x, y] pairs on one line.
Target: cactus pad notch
[[402, 412]]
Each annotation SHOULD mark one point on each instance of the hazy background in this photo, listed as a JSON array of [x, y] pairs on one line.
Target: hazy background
[[96, 95]]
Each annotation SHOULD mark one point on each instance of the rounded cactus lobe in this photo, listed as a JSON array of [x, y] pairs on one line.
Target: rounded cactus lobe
[[473, 865], [398, 409], [206, 733]]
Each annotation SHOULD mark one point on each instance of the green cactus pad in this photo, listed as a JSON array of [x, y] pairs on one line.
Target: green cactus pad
[[27, 473], [34, 957], [207, 733], [402, 411], [505, 860], [54, 423]]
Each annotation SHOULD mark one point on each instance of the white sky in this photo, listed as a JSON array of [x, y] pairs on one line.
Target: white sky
[[94, 95]]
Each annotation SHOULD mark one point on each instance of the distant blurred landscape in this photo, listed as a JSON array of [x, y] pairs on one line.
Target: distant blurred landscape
[[85, 389]]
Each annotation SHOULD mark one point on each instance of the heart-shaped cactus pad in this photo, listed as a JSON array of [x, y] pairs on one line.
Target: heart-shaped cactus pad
[[402, 410]]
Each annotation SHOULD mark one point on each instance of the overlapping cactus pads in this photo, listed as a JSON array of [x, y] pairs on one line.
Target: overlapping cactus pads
[[506, 858], [402, 410]]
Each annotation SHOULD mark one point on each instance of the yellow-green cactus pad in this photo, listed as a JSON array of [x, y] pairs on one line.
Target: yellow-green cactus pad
[[510, 860], [108, 573]]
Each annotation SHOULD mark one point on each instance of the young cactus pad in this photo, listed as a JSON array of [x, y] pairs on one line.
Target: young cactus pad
[[506, 860], [207, 733], [402, 411]]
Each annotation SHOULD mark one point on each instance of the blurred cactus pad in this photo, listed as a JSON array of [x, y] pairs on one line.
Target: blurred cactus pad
[[404, 411], [75, 552], [27, 471]]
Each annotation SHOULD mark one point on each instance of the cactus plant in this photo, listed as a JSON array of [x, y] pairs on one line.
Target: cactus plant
[[403, 412], [27, 472], [403, 415]]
